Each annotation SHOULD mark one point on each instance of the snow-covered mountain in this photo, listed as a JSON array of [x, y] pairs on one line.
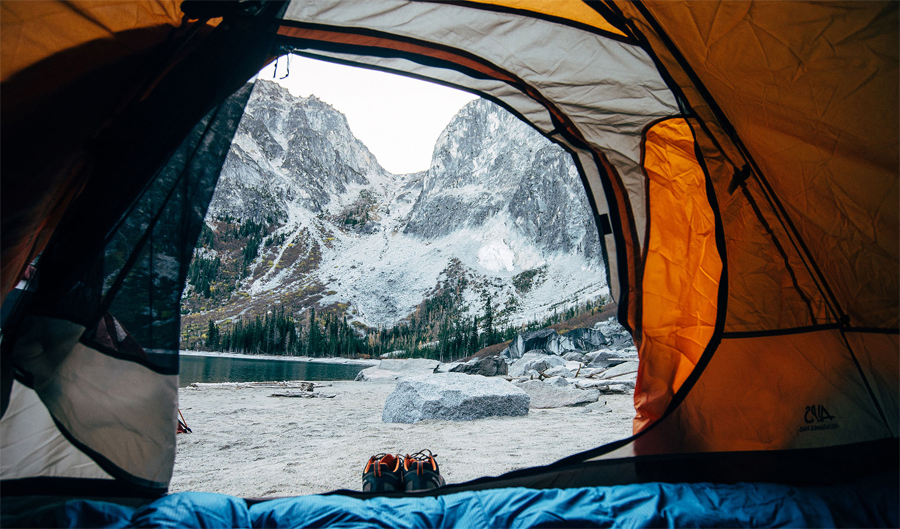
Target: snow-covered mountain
[[490, 166], [501, 212]]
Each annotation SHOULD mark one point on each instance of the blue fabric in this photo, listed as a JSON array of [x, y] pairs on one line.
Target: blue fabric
[[193, 509], [872, 502], [73, 513]]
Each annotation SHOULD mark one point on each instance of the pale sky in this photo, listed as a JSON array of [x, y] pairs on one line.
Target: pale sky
[[398, 118]]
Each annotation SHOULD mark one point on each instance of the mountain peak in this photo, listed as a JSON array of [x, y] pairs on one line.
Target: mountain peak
[[487, 163], [290, 152]]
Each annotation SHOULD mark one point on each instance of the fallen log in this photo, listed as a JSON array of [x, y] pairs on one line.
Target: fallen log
[[304, 395]]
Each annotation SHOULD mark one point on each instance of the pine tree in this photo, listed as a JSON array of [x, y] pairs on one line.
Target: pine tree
[[444, 339], [473, 338], [488, 322], [313, 342], [212, 336]]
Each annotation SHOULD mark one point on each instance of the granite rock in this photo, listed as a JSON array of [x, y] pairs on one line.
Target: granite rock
[[558, 371], [453, 397], [489, 366], [395, 369]]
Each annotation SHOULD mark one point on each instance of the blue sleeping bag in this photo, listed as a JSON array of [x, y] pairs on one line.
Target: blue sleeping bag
[[872, 502]]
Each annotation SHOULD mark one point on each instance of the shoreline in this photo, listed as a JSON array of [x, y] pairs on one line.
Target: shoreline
[[308, 359]]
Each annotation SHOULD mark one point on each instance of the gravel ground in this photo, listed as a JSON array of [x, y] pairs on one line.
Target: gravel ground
[[246, 443]]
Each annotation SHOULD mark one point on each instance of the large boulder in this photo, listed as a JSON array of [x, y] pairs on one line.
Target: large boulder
[[453, 397], [616, 336], [534, 361], [489, 366], [395, 369], [574, 356], [552, 396], [603, 359], [559, 371], [625, 368], [558, 381], [546, 339], [586, 339], [622, 343], [589, 357]]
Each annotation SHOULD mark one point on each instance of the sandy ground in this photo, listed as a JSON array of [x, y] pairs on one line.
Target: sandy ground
[[246, 443]]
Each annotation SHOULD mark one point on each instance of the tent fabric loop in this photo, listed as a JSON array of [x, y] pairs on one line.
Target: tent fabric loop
[[739, 178]]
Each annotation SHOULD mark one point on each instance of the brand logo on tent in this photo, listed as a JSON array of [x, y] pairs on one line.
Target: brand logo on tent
[[818, 418], [816, 413]]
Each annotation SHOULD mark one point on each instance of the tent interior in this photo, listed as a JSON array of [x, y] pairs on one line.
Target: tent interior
[[741, 159]]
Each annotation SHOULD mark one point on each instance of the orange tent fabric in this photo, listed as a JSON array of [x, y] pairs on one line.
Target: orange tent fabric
[[682, 269], [810, 95]]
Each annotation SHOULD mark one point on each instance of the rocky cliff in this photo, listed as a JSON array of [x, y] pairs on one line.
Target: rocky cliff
[[488, 164], [289, 152]]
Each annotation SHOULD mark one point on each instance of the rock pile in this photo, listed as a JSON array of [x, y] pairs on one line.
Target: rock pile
[[535, 362], [608, 335], [547, 370], [575, 368]]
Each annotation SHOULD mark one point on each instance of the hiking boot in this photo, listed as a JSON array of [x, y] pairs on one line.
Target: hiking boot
[[382, 474], [420, 472]]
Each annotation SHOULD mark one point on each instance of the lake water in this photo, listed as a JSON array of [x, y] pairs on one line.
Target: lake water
[[227, 369]]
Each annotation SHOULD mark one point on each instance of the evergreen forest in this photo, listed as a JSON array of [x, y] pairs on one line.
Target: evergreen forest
[[427, 334]]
